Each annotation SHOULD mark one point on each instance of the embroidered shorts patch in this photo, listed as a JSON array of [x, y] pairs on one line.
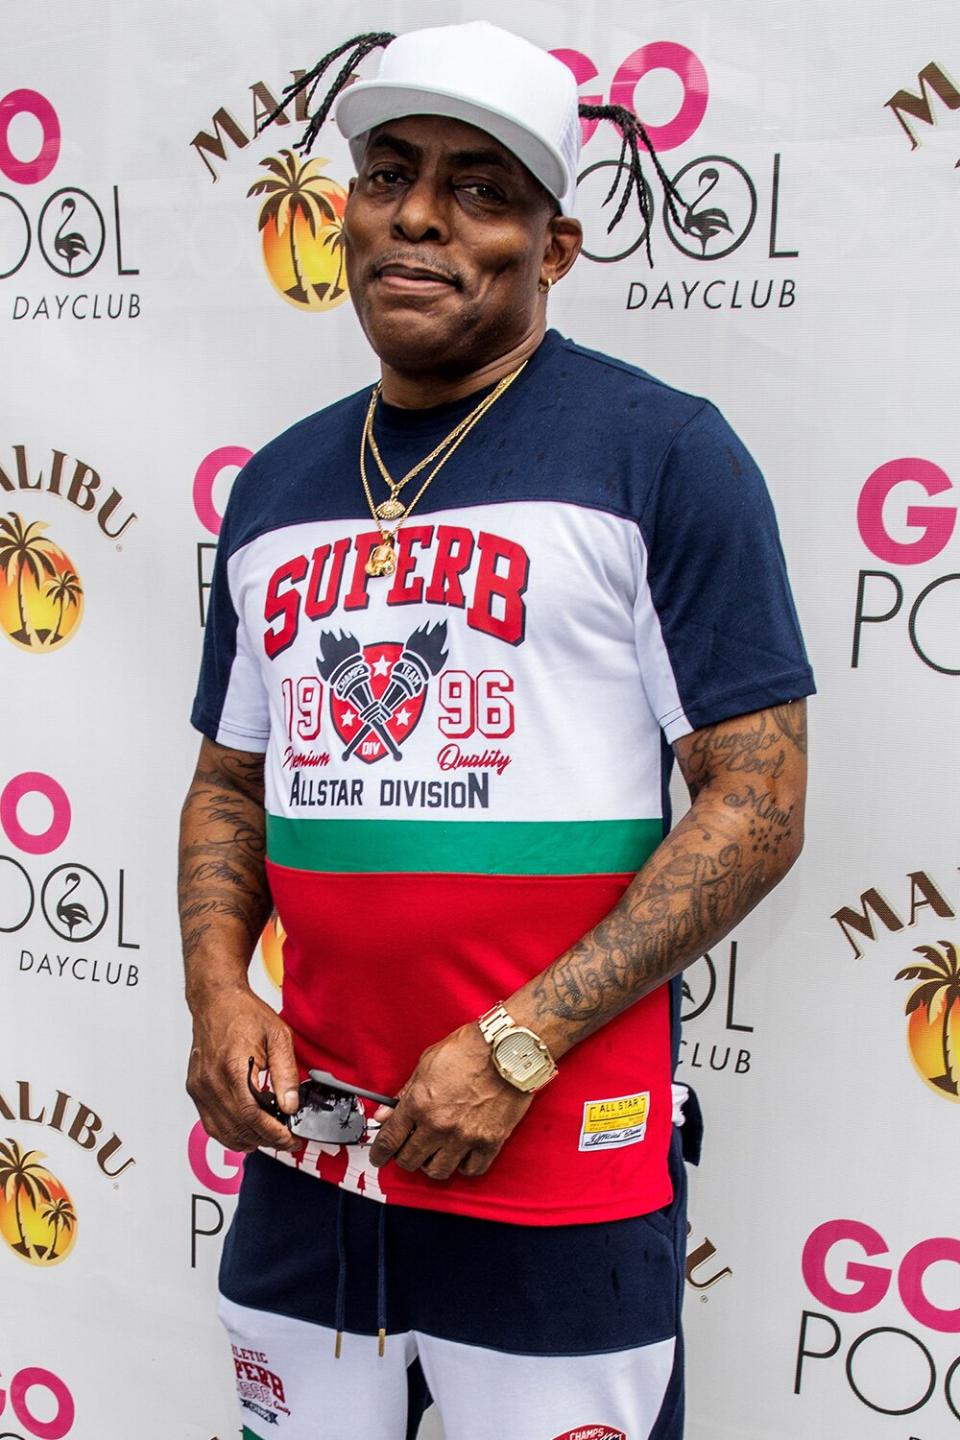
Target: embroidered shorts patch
[[592, 1432]]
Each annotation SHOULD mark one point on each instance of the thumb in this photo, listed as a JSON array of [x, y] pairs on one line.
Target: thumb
[[282, 1064]]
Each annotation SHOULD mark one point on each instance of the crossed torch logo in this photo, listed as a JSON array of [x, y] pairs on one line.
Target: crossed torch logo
[[347, 671]]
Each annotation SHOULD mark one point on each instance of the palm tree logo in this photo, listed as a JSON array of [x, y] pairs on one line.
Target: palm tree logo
[[41, 595], [301, 227], [64, 590], [23, 555], [933, 1033], [59, 1214], [36, 1212]]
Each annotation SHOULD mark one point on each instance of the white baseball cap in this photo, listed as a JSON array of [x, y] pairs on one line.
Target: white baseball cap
[[521, 95]]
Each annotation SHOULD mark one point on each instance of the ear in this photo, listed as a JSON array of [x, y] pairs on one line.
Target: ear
[[563, 243]]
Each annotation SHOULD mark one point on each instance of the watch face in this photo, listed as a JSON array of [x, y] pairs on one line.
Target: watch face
[[521, 1057]]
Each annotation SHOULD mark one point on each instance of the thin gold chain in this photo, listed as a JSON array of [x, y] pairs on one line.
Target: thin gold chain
[[395, 486], [382, 560]]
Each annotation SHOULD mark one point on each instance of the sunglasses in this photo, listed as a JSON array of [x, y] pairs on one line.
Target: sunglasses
[[330, 1110]]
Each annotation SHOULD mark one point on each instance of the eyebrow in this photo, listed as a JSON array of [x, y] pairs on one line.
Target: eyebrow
[[464, 158]]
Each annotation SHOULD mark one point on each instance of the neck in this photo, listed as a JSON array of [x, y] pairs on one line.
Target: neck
[[418, 391]]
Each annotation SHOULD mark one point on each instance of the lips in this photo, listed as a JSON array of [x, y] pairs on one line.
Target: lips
[[414, 279]]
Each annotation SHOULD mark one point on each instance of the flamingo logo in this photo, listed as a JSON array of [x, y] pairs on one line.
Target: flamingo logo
[[74, 903], [718, 210], [933, 1008], [68, 246], [38, 1219], [301, 229], [41, 594], [71, 232], [72, 912]]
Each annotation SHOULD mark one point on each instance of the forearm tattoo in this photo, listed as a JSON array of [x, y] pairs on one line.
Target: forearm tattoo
[[222, 872], [740, 836]]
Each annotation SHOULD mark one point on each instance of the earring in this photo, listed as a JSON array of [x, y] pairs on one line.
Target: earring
[[545, 283]]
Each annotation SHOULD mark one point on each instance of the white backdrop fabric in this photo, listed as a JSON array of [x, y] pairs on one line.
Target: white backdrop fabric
[[146, 348]]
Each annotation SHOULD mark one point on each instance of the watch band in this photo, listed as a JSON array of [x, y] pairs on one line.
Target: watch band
[[494, 1022]]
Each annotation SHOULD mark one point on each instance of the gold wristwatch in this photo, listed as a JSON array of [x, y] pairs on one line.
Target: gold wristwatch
[[520, 1056]]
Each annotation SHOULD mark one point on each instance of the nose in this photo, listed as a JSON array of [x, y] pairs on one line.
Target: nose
[[421, 214]]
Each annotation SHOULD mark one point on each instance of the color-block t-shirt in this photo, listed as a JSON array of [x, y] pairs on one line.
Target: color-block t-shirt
[[467, 762]]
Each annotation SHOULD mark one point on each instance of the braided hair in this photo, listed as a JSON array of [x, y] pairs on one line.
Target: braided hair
[[632, 132]]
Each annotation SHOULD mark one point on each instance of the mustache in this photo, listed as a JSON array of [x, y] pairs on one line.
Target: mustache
[[416, 260]]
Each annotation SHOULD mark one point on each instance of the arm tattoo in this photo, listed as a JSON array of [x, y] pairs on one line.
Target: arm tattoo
[[704, 887], [742, 833], [769, 824], [754, 748], [222, 875], [792, 720]]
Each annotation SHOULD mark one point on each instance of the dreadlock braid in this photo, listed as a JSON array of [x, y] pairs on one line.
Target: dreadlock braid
[[359, 47], [632, 131]]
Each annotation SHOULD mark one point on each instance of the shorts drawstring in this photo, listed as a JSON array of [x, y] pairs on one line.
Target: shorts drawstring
[[341, 1308], [381, 1281], [341, 1271]]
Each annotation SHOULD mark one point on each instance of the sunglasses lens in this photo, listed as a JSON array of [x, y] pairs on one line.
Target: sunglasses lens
[[329, 1118]]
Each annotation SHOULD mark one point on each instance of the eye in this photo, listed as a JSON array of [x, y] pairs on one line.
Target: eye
[[386, 175], [482, 191]]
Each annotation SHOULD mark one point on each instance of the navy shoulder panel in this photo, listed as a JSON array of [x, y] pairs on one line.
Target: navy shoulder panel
[[284, 482], [576, 427]]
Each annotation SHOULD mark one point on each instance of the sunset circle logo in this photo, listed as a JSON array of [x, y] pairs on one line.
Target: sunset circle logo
[[271, 949], [301, 228], [37, 1217], [41, 595], [933, 1007]]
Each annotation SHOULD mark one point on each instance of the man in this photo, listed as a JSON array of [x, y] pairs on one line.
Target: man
[[456, 627]]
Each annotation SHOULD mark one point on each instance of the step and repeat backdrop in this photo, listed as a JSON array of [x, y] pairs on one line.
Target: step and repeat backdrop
[[161, 317]]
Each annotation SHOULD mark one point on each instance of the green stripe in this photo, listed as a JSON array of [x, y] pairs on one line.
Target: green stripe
[[471, 847], [248, 1434]]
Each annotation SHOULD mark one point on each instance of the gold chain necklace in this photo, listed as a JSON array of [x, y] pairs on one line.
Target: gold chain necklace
[[393, 508], [383, 559]]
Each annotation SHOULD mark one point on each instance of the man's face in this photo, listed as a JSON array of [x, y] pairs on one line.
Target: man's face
[[446, 234]]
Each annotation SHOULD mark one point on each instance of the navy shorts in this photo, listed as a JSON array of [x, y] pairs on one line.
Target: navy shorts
[[568, 1332]]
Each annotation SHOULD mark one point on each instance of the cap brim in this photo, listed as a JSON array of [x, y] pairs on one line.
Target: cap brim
[[373, 102]]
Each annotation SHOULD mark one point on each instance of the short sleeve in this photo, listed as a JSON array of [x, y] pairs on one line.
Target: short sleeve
[[717, 629], [231, 705]]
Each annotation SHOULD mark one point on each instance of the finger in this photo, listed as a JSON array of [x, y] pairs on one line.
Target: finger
[[243, 1116], [224, 1129], [422, 1145], [243, 1110], [393, 1134], [282, 1064], [443, 1164], [477, 1162], [246, 1128], [266, 1131]]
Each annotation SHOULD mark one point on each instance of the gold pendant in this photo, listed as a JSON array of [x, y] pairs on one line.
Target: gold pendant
[[390, 509], [382, 560]]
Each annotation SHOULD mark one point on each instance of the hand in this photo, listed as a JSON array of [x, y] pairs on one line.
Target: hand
[[454, 1113], [228, 1027]]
